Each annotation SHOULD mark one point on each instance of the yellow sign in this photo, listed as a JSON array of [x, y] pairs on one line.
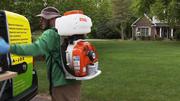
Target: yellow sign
[[19, 33]]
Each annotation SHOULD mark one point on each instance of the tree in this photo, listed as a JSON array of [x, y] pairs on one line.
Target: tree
[[103, 19], [121, 15]]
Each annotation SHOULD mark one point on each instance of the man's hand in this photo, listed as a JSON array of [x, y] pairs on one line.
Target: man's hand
[[4, 46]]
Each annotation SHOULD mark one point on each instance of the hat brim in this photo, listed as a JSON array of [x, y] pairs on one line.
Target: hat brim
[[48, 16]]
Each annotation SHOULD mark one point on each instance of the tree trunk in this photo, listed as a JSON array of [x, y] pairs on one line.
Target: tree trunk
[[122, 31]]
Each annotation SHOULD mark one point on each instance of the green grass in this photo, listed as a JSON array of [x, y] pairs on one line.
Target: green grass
[[134, 71], [42, 77]]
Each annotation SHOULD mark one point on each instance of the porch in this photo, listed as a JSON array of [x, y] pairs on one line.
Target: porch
[[164, 32]]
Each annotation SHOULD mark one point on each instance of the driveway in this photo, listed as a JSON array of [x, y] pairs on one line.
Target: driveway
[[41, 98]]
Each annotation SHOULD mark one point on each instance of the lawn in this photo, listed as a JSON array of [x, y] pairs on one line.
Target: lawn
[[132, 71]]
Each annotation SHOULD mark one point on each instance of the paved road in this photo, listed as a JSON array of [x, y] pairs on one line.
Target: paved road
[[41, 98]]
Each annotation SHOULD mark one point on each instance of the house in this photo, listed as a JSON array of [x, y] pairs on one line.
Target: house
[[145, 27]]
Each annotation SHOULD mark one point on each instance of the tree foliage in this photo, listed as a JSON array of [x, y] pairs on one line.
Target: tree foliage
[[139, 7], [158, 9], [170, 11], [24, 7], [98, 10], [111, 18]]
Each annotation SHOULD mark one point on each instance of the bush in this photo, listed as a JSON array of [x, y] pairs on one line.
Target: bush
[[177, 34]]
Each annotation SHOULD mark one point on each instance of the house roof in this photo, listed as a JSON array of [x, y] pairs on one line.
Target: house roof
[[133, 24], [161, 24], [154, 22]]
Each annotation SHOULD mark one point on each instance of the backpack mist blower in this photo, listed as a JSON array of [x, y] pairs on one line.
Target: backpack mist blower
[[80, 59]]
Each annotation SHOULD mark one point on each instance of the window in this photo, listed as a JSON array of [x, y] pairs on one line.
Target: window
[[144, 31]]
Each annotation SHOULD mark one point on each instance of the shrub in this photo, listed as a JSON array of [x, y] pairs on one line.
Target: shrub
[[177, 34]]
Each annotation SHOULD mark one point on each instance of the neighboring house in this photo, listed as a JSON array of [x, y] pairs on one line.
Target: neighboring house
[[144, 27]]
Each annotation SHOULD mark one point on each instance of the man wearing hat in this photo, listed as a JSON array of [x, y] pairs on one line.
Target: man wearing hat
[[48, 44]]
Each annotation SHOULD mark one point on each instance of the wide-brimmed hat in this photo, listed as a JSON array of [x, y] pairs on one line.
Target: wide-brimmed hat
[[49, 13]]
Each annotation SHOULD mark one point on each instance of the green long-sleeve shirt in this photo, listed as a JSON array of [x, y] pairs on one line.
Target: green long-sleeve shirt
[[48, 44]]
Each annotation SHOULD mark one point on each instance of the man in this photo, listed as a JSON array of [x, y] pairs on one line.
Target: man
[[48, 44]]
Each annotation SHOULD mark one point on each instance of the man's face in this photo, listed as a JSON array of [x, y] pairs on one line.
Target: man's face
[[43, 23]]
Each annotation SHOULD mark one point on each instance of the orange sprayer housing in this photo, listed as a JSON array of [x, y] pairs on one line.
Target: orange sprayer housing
[[73, 12], [84, 54]]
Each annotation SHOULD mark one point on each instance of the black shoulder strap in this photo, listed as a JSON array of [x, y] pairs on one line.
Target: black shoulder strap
[[60, 50], [55, 29], [50, 75]]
